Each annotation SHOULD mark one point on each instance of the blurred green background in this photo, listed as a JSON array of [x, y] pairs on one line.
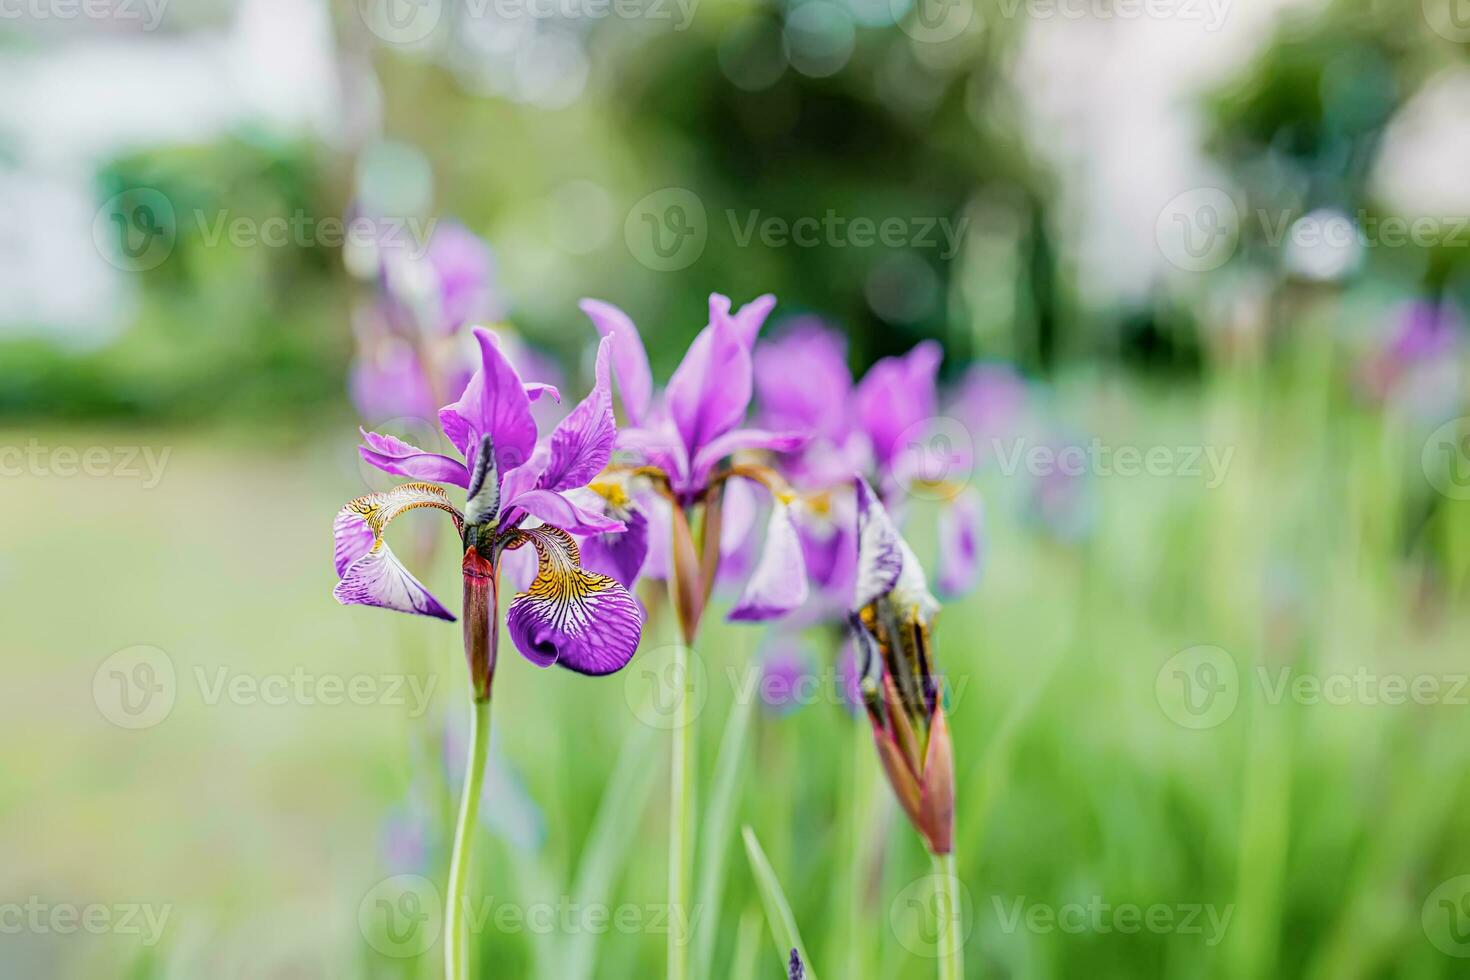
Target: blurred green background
[[1212, 228]]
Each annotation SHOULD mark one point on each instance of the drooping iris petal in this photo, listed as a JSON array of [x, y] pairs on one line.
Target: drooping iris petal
[[710, 391], [393, 455], [896, 394], [494, 404], [880, 550], [570, 616], [738, 440], [778, 584], [802, 381], [371, 574], [630, 360], [582, 443], [554, 508], [959, 543]]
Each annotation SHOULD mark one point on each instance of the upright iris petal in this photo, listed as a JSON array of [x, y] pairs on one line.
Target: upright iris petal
[[710, 390], [494, 404], [569, 616], [896, 394], [630, 360]]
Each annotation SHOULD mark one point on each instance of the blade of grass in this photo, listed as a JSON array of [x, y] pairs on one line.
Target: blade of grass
[[607, 848], [714, 835], [746, 942], [778, 910]]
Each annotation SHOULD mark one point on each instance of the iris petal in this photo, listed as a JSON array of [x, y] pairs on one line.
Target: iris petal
[[880, 550], [393, 455], [585, 622], [778, 584], [494, 404], [582, 442], [371, 574], [630, 360]]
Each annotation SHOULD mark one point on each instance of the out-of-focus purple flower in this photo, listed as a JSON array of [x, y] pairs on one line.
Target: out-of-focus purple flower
[[1416, 366], [681, 442], [882, 428], [1061, 501], [787, 678], [404, 842], [960, 529], [517, 495], [990, 399]]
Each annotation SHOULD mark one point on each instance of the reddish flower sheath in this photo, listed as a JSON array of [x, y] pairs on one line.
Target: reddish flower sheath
[[901, 690]]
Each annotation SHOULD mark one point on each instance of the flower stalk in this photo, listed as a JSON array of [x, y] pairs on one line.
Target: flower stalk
[[456, 931], [947, 899], [481, 639]]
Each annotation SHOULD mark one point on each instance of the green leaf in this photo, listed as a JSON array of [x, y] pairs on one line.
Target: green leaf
[[714, 835], [607, 845], [778, 910]]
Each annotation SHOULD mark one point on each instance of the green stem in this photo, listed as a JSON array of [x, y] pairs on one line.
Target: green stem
[[456, 935], [951, 926], [681, 779]]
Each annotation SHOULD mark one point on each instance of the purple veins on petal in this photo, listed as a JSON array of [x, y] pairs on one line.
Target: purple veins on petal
[[371, 575], [880, 550], [585, 622], [582, 443], [392, 455], [494, 404]]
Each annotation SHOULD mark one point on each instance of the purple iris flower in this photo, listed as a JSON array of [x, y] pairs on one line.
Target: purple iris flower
[[787, 679], [517, 494], [686, 443], [1416, 367], [877, 427], [413, 351]]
